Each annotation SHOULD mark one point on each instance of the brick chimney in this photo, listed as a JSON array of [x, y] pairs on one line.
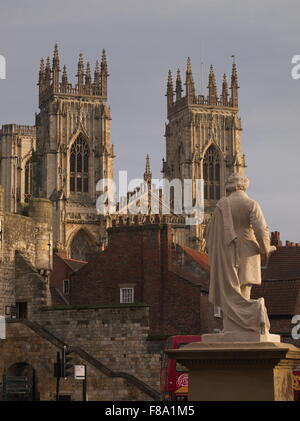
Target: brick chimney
[[275, 239]]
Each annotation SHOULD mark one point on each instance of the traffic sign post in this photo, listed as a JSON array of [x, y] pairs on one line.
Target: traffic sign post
[[57, 373], [80, 373]]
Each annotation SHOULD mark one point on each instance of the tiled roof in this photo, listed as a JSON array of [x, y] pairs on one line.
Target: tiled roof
[[284, 264], [200, 258], [281, 297], [74, 264]]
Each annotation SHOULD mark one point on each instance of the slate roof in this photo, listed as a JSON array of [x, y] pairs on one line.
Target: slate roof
[[284, 264]]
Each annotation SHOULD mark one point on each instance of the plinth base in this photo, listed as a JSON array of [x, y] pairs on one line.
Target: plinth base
[[239, 371], [240, 337]]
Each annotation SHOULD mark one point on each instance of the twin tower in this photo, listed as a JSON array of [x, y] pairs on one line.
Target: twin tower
[[68, 150]]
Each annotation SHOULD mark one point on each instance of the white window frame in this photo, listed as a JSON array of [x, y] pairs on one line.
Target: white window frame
[[124, 299], [66, 281], [217, 312]]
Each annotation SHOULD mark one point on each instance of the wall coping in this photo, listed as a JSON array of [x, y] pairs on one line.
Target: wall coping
[[94, 307]]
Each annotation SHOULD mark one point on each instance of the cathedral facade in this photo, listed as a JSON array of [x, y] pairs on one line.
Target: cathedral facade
[[68, 150], [64, 155], [203, 138]]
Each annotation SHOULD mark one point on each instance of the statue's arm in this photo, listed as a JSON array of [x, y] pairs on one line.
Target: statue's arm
[[260, 228]]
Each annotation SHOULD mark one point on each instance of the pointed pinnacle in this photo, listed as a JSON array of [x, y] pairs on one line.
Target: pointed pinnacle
[[211, 77], [48, 66], [97, 73], [189, 66], [80, 60], [103, 62], [55, 60], [42, 67], [234, 71], [147, 172], [56, 50], [88, 77], [64, 77]]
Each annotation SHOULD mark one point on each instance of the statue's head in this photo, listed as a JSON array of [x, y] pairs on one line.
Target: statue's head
[[236, 182]]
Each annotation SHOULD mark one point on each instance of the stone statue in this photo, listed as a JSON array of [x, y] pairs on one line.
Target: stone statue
[[237, 238]]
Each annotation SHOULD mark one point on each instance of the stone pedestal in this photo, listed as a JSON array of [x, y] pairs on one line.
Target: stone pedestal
[[240, 371]]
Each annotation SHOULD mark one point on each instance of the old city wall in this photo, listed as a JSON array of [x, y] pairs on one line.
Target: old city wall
[[116, 335], [22, 345], [26, 255]]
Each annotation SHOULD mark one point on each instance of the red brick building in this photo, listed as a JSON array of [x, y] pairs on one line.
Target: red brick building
[[143, 264], [281, 287], [60, 278]]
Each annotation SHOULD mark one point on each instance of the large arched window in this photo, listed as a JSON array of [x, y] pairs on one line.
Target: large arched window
[[80, 246], [28, 181], [211, 174], [79, 166]]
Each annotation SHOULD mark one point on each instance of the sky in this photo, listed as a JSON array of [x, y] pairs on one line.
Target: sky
[[143, 40]]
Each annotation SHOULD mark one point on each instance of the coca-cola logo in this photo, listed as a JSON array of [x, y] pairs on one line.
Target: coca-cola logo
[[183, 380]]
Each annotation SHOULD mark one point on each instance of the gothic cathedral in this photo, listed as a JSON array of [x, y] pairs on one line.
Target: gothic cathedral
[[68, 150], [203, 138]]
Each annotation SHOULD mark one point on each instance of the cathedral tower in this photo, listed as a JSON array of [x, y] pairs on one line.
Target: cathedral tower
[[203, 137], [73, 150]]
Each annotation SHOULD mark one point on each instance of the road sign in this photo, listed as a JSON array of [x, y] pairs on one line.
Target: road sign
[[79, 372]]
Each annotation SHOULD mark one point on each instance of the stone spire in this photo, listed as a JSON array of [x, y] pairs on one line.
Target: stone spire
[[55, 60], [170, 99], [55, 67], [64, 78], [80, 72], [147, 173], [178, 86], [48, 71], [148, 180], [41, 72], [212, 87], [189, 82], [88, 77], [234, 85], [97, 74], [224, 91], [104, 74]]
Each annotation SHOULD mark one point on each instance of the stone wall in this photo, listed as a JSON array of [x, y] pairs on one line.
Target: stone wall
[[30, 238], [116, 335], [25, 346], [17, 143]]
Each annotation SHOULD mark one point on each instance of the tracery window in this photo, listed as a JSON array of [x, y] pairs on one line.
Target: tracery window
[[211, 174], [28, 181], [80, 246], [79, 166]]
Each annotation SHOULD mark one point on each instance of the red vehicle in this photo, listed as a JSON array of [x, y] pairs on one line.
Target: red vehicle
[[174, 377], [296, 385]]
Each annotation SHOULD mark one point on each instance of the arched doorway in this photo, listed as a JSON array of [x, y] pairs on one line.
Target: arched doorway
[[80, 246], [19, 373]]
